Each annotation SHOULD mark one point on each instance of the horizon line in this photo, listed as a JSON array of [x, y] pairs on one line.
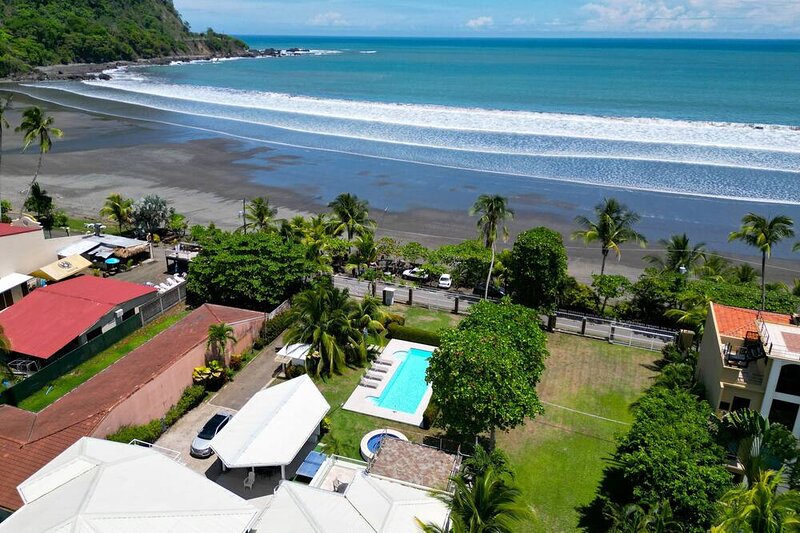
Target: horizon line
[[523, 38]]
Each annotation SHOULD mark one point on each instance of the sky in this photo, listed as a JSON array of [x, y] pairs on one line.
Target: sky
[[498, 18]]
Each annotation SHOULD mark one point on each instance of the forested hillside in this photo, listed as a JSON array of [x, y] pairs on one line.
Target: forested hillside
[[46, 32]]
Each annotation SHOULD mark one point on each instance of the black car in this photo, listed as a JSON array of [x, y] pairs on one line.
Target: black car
[[494, 290], [201, 444]]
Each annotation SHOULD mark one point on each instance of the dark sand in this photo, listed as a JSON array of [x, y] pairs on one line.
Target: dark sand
[[206, 176]]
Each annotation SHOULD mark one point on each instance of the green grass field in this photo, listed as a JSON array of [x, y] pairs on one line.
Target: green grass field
[[82, 373], [426, 319], [559, 457]]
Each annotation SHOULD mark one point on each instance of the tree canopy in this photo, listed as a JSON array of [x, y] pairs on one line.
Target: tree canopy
[[255, 271], [538, 268], [485, 372]]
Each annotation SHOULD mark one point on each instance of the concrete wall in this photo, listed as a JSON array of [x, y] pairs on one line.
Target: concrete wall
[[155, 397], [709, 363], [26, 252]]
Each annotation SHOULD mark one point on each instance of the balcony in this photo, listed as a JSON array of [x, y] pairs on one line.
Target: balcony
[[750, 351]]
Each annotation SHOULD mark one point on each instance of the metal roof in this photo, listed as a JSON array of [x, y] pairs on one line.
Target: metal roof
[[101, 486], [13, 280], [272, 426]]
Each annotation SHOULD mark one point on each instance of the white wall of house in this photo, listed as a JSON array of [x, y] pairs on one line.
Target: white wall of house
[[26, 252], [771, 394]]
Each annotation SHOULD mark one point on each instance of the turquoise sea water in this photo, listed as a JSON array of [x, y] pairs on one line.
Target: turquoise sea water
[[407, 386]]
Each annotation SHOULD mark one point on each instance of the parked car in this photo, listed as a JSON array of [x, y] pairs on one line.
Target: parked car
[[494, 290], [201, 444], [416, 274], [445, 281]]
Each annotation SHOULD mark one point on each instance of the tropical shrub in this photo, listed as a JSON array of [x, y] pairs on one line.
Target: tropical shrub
[[411, 334], [273, 328], [538, 268], [429, 415], [211, 377]]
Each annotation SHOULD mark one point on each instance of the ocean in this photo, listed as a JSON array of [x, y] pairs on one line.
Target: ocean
[[573, 120]]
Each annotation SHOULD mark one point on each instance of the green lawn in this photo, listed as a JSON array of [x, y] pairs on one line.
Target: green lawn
[[427, 319], [41, 399], [560, 456]]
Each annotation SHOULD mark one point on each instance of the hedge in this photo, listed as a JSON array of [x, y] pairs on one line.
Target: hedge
[[406, 333], [273, 328], [192, 397]]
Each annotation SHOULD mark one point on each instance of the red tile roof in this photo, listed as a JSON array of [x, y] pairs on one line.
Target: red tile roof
[[29, 441], [8, 229], [736, 322], [49, 318]]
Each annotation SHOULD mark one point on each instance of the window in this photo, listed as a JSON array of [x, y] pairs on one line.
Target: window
[[783, 413], [789, 380], [725, 406], [740, 403], [5, 299]]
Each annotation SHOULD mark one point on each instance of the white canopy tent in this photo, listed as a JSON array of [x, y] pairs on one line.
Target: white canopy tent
[[273, 426], [98, 486], [369, 504]]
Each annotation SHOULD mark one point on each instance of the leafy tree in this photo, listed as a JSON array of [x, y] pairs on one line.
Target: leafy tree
[[633, 518], [413, 252], [670, 454], [763, 233], [577, 296], [41, 203], [36, 127], [388, 249], [607, 287], [679, 253], [744, 295], [489, 505], [743, 273], [322, 319], [538, 268], [5, 342], [5, 205], [467, 262], [653, 294], [351, 216], [219, 335], [484, 374], [254, 271], [759, 508], [613, 227], [150, 214], [177, 223], [260, 215], [492, 212], [118, 209]]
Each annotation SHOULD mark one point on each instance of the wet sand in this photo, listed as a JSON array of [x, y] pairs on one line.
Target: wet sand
[[205, 176]]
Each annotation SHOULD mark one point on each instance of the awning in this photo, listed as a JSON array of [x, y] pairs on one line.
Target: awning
[[63, 268], [292, 351], [104, 251], [273, 426], [12, 280]]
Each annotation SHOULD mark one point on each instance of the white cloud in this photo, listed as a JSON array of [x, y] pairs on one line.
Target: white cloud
[[523, 21], [480, 23], [647, 15], [331, 18]]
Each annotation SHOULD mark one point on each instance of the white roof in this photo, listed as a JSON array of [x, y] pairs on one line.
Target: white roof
[[272, 426], [98, 486], [77, 248], [12, 280], [295, 351], [369, 504]]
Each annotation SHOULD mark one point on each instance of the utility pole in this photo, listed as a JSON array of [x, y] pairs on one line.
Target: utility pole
[[244, 216]]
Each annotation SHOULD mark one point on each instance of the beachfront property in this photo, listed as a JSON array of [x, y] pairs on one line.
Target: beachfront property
[[135, 390], [394, 387], [751, 359], [55, 319]]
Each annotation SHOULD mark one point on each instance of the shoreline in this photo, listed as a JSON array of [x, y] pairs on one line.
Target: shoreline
[[206, 176]]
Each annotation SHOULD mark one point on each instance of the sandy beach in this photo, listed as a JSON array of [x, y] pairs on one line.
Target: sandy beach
[[206, 176]]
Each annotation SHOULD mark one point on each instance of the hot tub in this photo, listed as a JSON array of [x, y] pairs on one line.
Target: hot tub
[[372, 441]]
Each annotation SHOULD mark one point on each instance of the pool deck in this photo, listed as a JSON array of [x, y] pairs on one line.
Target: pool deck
[[361, 399]]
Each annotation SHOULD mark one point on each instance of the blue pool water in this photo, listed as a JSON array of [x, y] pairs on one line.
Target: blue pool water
[[407, 387], [375, 441]]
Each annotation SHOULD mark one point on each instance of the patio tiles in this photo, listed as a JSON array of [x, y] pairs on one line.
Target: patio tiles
[[414, 463]]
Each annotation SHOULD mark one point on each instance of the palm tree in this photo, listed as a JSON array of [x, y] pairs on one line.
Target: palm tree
[[714, 268], [4, 105], [693, 314], [489, 505], [613, 227], [743, 274], [219, 335], [322, 320], [749, 429], [493, 211], [37, 127], [352, 216], [763, 233], [679, 253], [293, 230], [632, 518], [365, 254], [260, 215], [118, 209], [760, 508]]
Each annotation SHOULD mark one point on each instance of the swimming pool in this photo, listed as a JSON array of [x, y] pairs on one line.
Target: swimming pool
[[407, 387]]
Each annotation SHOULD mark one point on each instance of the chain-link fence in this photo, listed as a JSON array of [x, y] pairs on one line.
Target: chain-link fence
[[165, 301]]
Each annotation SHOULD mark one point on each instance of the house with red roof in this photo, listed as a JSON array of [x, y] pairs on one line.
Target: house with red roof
[[138, 388], [751, 359], [58, 318]]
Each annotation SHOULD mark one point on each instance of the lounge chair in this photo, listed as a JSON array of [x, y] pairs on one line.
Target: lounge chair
[[379, 368], [385, 362], [376, 376], [368, 384]]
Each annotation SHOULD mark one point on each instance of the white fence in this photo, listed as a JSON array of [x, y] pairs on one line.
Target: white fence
[[165, 301], [627, 334]]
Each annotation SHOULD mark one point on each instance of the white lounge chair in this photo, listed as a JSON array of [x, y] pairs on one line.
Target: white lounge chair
[[379, 368], [250, 480], [384, 362], [376, 376], [368, 384]]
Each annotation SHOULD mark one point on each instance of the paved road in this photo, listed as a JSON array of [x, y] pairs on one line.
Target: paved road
[[423, 297]]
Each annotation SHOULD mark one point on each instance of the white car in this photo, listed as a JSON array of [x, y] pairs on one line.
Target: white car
[[415, 274], [445, 281]]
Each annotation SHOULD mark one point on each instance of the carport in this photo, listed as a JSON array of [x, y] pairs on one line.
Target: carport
[[273, 426]]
